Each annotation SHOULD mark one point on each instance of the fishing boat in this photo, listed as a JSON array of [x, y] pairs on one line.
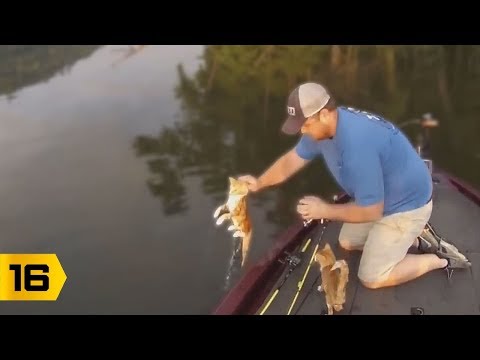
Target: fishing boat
[[286, 280]]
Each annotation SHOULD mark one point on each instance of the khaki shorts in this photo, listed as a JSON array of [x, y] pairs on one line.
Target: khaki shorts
[[385, 242]]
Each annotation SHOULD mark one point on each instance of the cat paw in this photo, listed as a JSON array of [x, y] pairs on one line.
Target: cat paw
[[319, 288], [231, 228], [222, 218], [238, 233], [217, 211]]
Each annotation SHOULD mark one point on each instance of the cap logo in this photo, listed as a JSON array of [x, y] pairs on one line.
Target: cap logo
[[291, 110]]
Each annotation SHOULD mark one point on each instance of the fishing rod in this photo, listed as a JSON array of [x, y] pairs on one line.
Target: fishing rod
[[293, 261], [301, 282]]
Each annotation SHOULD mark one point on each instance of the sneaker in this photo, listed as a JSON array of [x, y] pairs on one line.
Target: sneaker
[[454, 263], [430, 242], [458, 263]]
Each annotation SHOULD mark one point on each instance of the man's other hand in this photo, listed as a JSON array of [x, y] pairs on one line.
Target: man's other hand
[[313, 207]]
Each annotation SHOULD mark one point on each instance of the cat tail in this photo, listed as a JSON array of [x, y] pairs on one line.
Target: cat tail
[[246, 246]]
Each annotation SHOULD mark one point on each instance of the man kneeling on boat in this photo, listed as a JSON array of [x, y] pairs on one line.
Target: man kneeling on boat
[[374, 162]]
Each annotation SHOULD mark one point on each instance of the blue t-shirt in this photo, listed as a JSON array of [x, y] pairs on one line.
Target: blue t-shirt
[[372, 161]]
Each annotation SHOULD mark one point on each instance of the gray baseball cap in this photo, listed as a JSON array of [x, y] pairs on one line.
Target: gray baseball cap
[[303, 102]]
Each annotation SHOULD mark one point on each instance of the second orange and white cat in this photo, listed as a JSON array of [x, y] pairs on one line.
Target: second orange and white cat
[[334, 275], [235, 209]]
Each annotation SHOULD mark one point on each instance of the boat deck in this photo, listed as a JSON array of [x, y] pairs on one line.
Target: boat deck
[[454, 217]]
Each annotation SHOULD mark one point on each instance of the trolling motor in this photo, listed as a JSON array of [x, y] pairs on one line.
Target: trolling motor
[[427, 122], [423, 146]]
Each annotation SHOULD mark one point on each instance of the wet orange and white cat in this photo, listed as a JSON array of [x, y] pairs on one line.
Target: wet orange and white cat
[[236, 210], [334, 275]]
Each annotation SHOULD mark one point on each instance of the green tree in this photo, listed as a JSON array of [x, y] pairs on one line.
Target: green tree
[[25, 65]]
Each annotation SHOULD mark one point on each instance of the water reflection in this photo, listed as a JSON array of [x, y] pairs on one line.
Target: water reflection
[[25, 65], [233, 107], [127, 53], [71, 186], [168, 180]]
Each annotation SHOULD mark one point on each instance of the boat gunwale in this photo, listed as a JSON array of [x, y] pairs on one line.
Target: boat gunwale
[[463, 186], [236, 301]]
